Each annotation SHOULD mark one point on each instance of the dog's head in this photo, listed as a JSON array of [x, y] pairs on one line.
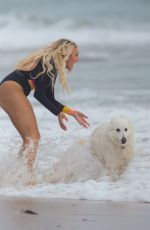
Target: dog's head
[[121, 131]]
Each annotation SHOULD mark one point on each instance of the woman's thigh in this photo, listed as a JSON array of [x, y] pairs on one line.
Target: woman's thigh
[[19, 109]]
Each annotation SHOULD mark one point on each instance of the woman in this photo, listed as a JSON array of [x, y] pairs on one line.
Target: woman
[[39, 71]]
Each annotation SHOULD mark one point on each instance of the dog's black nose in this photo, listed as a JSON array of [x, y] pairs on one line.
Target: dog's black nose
[[123, 140]]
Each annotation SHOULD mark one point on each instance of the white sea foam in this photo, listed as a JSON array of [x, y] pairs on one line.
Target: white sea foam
[[22, 32], [83, 170], [116, 35]]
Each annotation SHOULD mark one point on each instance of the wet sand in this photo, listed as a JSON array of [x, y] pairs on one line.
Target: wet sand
[[40, 213]]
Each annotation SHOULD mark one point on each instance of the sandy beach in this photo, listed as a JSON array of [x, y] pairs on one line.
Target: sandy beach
[[36, 213]]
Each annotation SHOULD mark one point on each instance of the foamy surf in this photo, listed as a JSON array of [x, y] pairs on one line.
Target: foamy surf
[[112, 79], [75, 174]]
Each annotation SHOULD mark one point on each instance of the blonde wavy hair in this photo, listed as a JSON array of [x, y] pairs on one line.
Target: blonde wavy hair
[[59, 51]]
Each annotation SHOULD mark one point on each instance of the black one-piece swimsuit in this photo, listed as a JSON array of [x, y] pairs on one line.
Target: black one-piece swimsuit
[[44, 89]]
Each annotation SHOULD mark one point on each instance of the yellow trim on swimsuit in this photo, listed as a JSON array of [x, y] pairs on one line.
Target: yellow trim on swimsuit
[[68, 110]]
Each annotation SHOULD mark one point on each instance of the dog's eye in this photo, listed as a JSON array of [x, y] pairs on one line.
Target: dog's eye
[[118, 130], [126, 129]]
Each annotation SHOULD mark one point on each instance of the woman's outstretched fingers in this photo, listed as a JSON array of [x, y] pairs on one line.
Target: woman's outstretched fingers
[[61, 118], [85, 122], [80, 117], [82, 114]]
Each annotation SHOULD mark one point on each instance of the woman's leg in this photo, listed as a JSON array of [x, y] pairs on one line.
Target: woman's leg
[[20, 111]]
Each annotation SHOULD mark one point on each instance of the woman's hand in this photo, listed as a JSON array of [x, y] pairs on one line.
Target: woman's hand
[[61, 118], [81, 119]]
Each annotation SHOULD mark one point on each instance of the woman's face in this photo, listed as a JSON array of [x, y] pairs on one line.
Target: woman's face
[[74, 58]]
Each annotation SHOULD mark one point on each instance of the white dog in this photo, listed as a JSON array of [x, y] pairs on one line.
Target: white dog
[[113, 143]]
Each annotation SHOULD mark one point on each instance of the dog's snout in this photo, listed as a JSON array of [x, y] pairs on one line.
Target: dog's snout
[[123, 140]]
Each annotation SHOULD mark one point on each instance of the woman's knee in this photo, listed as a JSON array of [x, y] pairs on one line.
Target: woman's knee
[[32, 137], [36, 136]]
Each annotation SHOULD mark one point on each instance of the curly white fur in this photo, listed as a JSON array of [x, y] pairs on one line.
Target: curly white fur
[[114, 145]]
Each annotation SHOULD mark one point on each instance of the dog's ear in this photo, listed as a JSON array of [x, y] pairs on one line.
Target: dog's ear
[[114, 120], [129, 121], [110, 125], [131, 125]]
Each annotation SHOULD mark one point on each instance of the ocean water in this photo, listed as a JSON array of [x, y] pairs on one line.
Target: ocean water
[[111, 79]]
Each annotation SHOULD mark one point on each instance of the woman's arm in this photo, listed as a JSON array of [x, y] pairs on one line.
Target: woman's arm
[[43, 93]]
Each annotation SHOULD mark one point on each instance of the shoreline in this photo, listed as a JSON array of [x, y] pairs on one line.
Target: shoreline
[[69, 214]]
